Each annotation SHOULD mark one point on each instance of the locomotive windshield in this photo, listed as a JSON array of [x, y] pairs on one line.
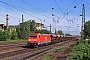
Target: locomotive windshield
[[33, 36]]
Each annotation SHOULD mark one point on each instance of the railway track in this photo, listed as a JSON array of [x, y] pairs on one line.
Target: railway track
[[12, 44], [6, 47], [63, 55], [29, 53]]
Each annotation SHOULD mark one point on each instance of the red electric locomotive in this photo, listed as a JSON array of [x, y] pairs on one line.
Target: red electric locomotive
[[36, 39]]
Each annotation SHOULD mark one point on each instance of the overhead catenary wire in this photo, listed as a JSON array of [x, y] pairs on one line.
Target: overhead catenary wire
[[70, 6], [64, 5], [87, 6], [9, 15], [18, 9], [87, 9], [74, 7], [37, 7], [3, 15], [58, 7], [13, 6], [60, 10], [31, 11]]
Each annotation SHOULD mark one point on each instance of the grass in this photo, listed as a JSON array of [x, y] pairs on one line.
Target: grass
[[59, 50], [17, 40], [46, 58], [56, 52]]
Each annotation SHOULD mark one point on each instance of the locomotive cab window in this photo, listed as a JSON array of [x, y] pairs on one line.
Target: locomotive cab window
[[33, 36], [60, 36]]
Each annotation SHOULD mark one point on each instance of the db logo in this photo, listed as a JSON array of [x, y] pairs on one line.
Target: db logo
[[45, 38]]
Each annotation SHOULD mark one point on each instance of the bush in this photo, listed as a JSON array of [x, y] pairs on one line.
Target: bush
[[81, 51], [13, 35], [3, 36]]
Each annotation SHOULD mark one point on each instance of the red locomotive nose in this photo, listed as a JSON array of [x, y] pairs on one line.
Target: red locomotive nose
[[32, 40]]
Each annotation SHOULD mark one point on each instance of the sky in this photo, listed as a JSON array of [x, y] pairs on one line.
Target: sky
[[66, 17]]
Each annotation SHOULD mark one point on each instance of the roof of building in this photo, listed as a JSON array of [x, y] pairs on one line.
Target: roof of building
[[1, 24]]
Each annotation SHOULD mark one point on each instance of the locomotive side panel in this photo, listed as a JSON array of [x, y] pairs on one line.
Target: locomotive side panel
[[45, 39]]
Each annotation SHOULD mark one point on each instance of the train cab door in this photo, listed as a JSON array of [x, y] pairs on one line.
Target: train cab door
[[39, 38]]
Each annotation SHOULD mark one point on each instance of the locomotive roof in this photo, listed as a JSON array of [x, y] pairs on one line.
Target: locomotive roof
[[38, 33], [33, 33], [45, 34]]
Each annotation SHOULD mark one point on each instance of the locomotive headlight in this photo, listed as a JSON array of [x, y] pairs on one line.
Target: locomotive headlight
[[34, 39], [29, 40]]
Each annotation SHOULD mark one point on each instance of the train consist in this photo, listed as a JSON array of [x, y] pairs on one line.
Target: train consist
[[37, 39]]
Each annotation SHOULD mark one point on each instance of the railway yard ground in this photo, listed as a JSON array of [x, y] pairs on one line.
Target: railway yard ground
[[20, 51]]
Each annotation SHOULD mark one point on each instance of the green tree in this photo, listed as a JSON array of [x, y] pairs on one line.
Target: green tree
[[18, 30], [8, 33], [3, 36], [60, 32], [44, 31], [87, 29], [32, 26], [24, 29], [13, 35], [68, 34]]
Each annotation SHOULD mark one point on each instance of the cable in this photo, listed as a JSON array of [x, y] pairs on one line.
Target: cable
[[36, 7], [58, 7], [75, 7], [9, 15], [3, 15], [30, 11], [61, 11], [64, 4], [18, 9], [87, 9], [72, 9], [70, 5], [87, 6]]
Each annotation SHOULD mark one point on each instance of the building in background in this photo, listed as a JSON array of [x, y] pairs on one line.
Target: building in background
[[39, 26], [13, 27], [1, 26]]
